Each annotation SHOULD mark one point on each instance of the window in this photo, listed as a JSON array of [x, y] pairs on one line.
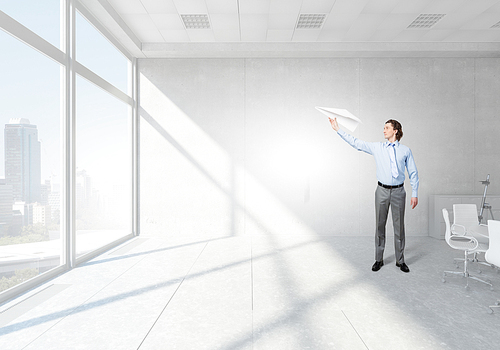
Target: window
[[41, 17], [103, 168], [96, 53], [37, 162], [30, 163]]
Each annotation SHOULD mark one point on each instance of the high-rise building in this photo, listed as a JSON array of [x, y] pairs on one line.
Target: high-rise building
[[22, 160]]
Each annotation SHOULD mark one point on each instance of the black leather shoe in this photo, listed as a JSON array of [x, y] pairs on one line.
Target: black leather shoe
[[377, 265], [403, 267]]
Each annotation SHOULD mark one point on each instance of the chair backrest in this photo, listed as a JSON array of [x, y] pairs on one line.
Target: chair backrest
[[447, 233], [465, 215], [493, 253]]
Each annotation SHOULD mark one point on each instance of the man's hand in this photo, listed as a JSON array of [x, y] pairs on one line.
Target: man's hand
[[333, 121], [414, 202]]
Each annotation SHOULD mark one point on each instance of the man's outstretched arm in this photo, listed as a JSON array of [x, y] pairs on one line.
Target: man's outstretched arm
[[354, 142]]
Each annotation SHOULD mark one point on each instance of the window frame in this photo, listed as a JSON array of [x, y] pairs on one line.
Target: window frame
[[69, 68]]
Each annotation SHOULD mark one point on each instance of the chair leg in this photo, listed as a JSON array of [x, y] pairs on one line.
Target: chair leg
[[497, 305], [481, 262], [480, 280], [466, 273], [463, 274]]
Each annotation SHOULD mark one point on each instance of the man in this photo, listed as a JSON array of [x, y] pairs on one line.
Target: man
[[391, 158]]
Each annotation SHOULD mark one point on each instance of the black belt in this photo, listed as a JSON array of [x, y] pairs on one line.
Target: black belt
[[390, 187]]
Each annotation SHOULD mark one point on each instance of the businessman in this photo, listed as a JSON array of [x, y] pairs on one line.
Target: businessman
[[391, 159]]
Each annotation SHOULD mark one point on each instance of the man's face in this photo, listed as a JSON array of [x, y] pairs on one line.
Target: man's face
[[389, 131]]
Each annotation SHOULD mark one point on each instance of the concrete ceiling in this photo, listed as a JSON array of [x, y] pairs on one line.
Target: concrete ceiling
[[156, 29]]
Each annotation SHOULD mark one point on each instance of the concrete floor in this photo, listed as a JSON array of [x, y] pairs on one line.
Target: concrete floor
[[259, 292]]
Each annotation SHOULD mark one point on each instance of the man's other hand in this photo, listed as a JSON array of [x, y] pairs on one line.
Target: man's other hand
[[414, 202]]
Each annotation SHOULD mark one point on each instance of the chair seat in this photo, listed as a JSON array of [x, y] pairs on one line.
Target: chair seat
[[462, 244]]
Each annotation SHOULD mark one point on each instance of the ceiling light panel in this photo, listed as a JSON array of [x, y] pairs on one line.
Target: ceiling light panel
[[310, 21], [196, 21], [426, 20]]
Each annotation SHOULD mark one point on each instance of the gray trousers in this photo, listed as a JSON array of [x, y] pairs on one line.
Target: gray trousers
[[394, 199]]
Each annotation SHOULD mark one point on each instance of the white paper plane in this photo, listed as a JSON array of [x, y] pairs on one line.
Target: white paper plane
[[344, 117]]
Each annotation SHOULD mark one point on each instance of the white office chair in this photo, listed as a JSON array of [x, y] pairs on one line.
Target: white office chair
[[457, 238], [465, 220], [493, 253]]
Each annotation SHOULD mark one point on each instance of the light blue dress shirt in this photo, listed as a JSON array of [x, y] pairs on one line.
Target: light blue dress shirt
[[380, 150]]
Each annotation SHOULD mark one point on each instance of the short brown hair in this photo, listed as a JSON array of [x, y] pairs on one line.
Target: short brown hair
[[396, 126]]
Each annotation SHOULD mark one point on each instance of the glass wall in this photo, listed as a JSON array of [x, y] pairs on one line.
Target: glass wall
[[96, 53], [61, 155], [103, 144], [103, 168], [41, 17], [30, 163]]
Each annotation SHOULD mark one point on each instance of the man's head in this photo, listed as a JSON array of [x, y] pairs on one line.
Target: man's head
[[393, 128]]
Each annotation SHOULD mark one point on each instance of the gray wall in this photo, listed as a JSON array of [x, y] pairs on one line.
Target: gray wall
[[235, 146]]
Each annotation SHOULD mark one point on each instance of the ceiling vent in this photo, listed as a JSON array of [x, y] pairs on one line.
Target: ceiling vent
[[196, 21], [310, 21], [496, 25], [425, 20]]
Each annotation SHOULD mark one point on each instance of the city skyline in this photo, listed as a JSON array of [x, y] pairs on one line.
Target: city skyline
[[34, 88], [22, 204], [32, 84]]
